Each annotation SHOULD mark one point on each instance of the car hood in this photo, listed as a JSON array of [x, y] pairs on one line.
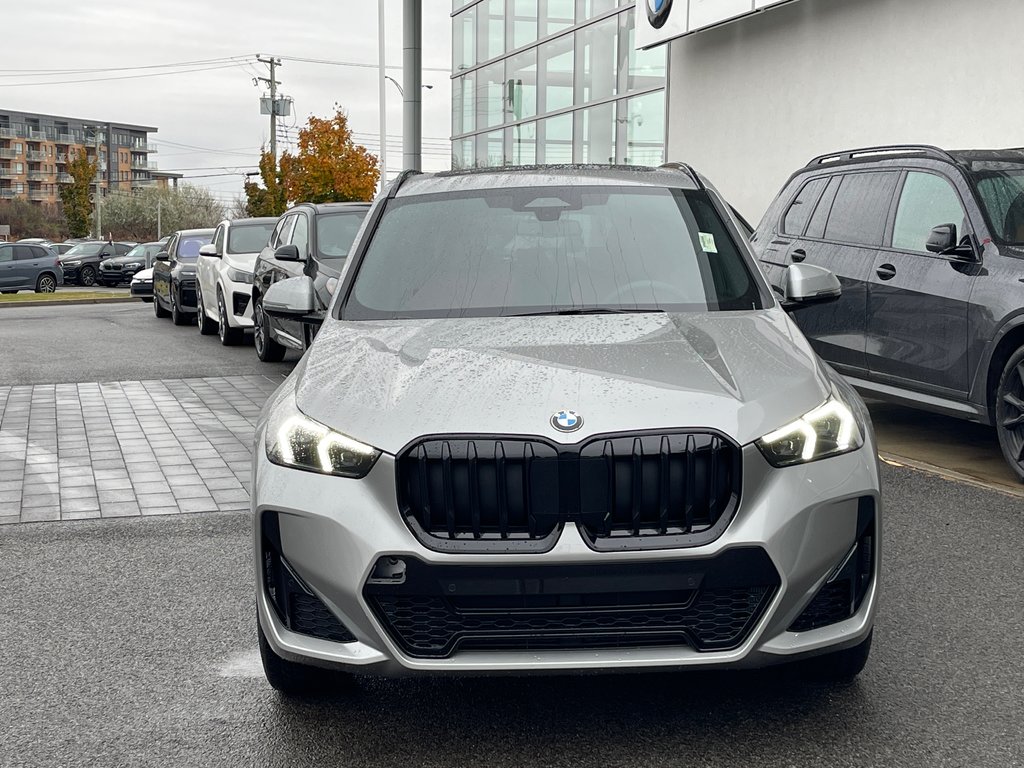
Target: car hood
[[246, 262], [124, 260], [386, 383], [143, 274]]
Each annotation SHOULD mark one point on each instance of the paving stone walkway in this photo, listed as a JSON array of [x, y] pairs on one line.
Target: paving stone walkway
[[73, 451]]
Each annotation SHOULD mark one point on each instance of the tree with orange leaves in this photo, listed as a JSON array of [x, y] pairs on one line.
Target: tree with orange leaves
[[330, 166]]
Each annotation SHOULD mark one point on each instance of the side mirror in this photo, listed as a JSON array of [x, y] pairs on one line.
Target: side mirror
[[288, 253], [807, 284], [209, 250], [162, 256], [290, 297], [942, 238]]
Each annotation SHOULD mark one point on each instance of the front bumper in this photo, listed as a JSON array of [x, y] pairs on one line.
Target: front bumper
[[142, 290], [237, 302], [116, 276], [333, 531]]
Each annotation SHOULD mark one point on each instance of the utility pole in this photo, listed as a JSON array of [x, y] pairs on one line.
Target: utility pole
[[272, 82], [158, 232], [381, 97], [96, 178], [412, 79]]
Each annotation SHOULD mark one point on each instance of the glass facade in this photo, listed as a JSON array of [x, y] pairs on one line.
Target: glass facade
[[554, 81]]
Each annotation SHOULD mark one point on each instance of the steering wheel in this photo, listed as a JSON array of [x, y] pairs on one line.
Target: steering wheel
[[660, 285]]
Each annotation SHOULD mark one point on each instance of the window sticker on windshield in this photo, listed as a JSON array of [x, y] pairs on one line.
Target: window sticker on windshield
[[707, 242]]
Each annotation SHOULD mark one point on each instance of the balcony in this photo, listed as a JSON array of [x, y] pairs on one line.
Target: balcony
[[39, 176], [6, 193], [62, 158], [64, 138], [141, 164], [8, 173], [35, 155], [10, 154], [138, 183], [144, 147], [39, 195], [65, 178], [35, 133], [12, 131]]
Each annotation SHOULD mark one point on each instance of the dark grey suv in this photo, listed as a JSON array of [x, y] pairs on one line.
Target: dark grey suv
[[929, 247], [28, 267]]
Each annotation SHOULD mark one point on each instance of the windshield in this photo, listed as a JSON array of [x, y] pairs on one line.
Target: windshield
[[335, 233], [86, 249], [548, 250], [1001, 189], [189, 245], [249, 238]]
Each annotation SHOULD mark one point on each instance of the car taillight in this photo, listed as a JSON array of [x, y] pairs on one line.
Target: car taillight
[[56, 262]]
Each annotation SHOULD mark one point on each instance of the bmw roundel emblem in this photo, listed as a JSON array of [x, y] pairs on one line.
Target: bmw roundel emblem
[[566, 421], [658, 11]]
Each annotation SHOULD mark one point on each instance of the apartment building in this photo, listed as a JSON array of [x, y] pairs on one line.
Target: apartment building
[[36, 149]]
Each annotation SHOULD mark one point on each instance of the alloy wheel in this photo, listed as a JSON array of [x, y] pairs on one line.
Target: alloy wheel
[[1010, 412], [222, 319], [46, 285], [87, 276], [258, 331]]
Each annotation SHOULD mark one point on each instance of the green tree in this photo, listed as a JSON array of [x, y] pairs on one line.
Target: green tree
[[75, 195], [270, 199]]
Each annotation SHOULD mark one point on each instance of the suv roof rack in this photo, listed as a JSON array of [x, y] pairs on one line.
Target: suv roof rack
[[888, 149], [685, 168]]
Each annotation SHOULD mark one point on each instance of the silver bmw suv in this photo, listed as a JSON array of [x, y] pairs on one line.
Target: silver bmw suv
[[556, 420]]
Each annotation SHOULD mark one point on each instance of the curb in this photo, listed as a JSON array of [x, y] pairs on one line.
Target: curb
[[57, 302], [951, 475]]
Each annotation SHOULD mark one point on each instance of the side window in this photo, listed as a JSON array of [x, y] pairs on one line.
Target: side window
[[277, 238], [285, 233], [218, 238], [24, 253], [6, 253], [800, 210], [861, 207], [300, 234], [40, 253], [121, 250], [816, 227], [926, 201], [172, 247]]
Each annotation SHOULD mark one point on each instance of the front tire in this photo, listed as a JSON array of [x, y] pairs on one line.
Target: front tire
[[46, 284], [87, 277], [229, 336], [268, 350], [1010, 412], [298, 680], [838, 667], [177, 316], [206, 326], [158, 308]]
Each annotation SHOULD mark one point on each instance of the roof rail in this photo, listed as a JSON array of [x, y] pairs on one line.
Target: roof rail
[[685, 168], [400, 180], [856, 154]]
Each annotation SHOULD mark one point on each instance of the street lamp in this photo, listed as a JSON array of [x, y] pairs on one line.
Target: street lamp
[[399, 87]]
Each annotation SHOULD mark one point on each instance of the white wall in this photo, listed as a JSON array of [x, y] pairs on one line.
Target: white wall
[[752, 101]]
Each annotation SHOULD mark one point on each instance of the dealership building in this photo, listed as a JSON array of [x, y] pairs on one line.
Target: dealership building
[[745, 90]]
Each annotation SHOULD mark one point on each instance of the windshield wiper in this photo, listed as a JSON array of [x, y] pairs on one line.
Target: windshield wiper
[[585, 311]]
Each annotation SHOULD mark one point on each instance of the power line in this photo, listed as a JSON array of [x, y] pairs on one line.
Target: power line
[[90, 70], [363, 64], [122, 77]]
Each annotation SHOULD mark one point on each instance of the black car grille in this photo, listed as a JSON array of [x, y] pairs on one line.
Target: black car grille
[[624, 491], [712, 604], [111, 267]]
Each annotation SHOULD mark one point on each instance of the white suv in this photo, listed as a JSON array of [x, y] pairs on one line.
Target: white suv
[[224, 280]]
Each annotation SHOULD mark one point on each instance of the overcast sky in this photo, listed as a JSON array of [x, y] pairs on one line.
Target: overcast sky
[[218, 109]]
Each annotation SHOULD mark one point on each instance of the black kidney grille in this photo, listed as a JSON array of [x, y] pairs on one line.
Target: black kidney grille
[[617, 488]]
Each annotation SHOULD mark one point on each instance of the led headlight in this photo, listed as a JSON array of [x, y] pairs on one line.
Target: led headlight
[[828, 430], [132, 265], [70, 263], [295, 440], [238, 276]]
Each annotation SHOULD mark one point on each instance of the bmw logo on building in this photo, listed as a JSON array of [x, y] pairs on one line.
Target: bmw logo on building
[[658, 11], [566, 421]]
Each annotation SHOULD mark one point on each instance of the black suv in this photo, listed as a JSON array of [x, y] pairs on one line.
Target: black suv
[[174, 275], [309, 239], [929, 247], [81, 263]]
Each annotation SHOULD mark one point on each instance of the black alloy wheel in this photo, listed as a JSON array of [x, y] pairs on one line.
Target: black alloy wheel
[[1010, 412], [87, 276], [46, 284], [229, 336], [206, 326], [268, 350]]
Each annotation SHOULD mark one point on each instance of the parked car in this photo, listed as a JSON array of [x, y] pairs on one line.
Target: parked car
[[62, 248], [556, 420], [224, 277], [929, 247], [312, 240], [174, 275], [142, 285], [81, 264], [121, 269], [28, 267]]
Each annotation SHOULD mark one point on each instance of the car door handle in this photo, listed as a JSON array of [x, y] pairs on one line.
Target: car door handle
[[798, 255], [886, 272]]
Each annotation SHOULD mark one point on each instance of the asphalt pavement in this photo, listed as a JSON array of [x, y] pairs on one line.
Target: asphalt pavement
[[132, 642], [63, 343]]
